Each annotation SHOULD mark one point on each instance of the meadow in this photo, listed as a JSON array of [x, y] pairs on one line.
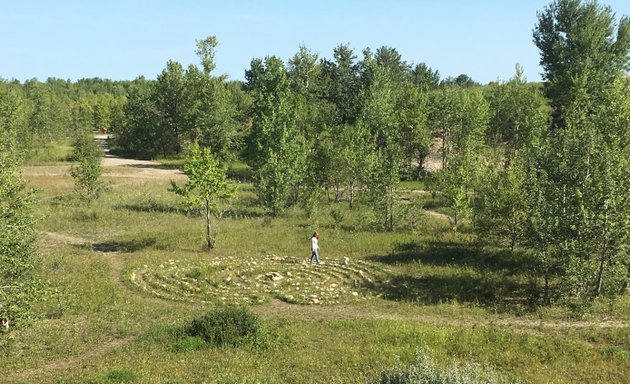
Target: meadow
[[127, 273]]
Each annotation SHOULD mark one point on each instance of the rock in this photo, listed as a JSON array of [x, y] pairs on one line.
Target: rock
[[346, 260], [274, 276], [355, 293]]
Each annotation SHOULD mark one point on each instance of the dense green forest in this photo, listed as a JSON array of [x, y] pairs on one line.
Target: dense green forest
[[461, 222], [538, 168]]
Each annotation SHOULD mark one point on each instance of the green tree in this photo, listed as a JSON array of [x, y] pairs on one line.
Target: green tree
[[207, 186], [87, 174], [341, 84], [424, 77], [462, 80], [170, 107], [519, 113], [581, 183], [19, 287], [415, 138], [138, 136], [379, 117], [315, 119], [579, 175], [40, 117], [463, 137], [210, 114], [581, 46], [278, 148], [500, 206]]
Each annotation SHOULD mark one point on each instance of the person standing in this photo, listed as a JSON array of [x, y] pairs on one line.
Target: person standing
[[315, 248]]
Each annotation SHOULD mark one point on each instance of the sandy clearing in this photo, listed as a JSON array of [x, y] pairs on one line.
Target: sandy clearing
[[113, 166]]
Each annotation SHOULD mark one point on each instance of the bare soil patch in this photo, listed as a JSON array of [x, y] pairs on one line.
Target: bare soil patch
[[133, 168]]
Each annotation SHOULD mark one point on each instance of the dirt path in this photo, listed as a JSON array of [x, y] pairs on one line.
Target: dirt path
[[70, 362], [120, 167], [113, 166]]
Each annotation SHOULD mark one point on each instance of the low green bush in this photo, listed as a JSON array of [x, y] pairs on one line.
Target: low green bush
[[231, 326]]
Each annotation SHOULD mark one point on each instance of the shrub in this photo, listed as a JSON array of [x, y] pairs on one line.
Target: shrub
[[424, 371], [230, 326]]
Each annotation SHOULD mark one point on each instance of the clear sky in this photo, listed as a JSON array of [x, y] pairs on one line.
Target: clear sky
[[121, 40]]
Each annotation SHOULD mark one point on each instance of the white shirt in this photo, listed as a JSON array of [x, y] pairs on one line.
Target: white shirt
[[314, 246]]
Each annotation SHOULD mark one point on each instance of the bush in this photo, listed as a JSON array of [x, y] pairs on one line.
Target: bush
[[230, 326], [424, 371]]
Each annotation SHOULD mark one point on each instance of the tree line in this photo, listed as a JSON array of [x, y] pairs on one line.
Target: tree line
[[540, 167]]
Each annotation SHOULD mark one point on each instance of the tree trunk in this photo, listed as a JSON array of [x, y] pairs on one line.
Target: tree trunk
[[546, 291], [443, 150], [602, 263], [600, 276], [626, 284], [208, 233], [351, 194]]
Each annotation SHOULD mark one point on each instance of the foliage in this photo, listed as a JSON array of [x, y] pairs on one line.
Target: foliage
[[207, 186], [464, 152], [341, 84], [519, 117], [580, 206], [278, 147], [500, 205], [170, 109], [211, 117], [137, 135], [19, 287], [424, 77], [182, 106], [579, 175], [423, 370], [87, 174], [581, 46], [231, 326]]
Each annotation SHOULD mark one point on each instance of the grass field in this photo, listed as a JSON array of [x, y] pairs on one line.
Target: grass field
[[129, 272]]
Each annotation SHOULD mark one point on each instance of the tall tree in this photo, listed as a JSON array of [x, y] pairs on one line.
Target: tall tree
[[424, 77], [278, 148], [315, 119], [342, 84], [519, 113], [380, 118], [168, 96], [585, 188], [210, 113], [19, 287], [581, 169], [581, 46], [415, 138], [469, 116], [138, 136]]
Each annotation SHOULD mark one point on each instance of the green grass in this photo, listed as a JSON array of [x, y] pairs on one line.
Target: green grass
[[420, 286], [56, 151]]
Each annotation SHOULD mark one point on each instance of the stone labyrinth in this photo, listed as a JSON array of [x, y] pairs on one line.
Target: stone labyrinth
[[232, 280]]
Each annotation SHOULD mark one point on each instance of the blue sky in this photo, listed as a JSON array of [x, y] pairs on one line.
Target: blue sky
[[122, 40]]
